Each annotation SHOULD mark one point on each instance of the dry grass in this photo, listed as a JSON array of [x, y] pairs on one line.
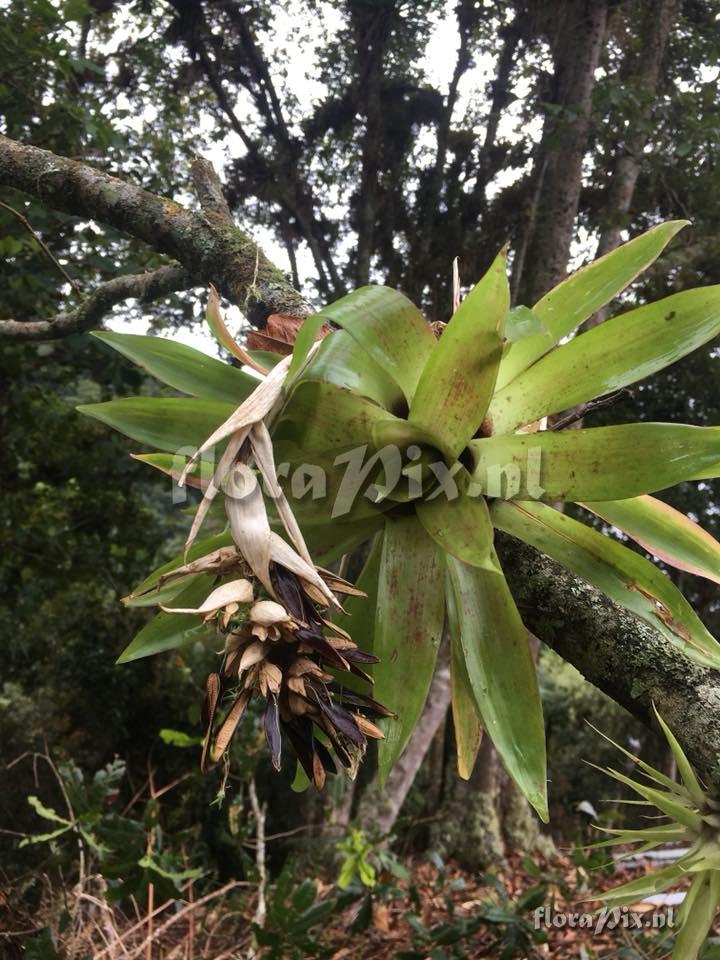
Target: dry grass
[[218, 924], [83, 924]]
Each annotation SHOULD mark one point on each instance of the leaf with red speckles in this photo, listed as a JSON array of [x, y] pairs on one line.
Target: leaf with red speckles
[[408, 628], [457, 383]]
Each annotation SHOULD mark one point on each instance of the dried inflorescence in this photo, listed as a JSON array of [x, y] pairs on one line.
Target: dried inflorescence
[[288, 653], [280, 643]]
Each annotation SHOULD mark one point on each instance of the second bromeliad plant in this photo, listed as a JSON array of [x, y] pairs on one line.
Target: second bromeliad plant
[[472, 402]]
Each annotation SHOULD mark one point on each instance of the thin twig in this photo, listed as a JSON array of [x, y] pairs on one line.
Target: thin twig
[[259, 814], [191, 927], [43, 246], [68, 806], [142, 920], [151, 886], [183, 912], [590, 407]]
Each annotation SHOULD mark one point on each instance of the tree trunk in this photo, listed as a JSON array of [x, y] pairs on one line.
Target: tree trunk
[[379, 808], [655, 28], [468, 827], [577, 45]]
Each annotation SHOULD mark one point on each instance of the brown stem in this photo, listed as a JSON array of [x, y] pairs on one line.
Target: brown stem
[[41, 243], [142, 286], [378, 809]]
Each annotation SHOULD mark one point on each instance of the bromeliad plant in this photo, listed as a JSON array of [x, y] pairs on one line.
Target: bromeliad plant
[[422, 446], [690, 815]]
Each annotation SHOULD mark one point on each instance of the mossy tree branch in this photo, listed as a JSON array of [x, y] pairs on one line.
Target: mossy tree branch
[[208, 245], [620, 654]]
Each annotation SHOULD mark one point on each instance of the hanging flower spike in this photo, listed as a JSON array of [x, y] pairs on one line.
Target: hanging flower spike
[[277, 639]]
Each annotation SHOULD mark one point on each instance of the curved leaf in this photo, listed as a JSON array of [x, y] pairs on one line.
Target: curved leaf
[[621, 351], [622, 574], [216, 322], [697, 919], [501, 671], [599, 463], [307, 335], [389, 328], [199, 549], [686, 772], [466, 719], [173, 465], [665, 532], [584, 292], [457, 383], [408, 629], [320, 416], [168, 424], [182, 367], [166, 631], [461, 526], [342, 361], [358, 616], [334, 485], [651, 883]]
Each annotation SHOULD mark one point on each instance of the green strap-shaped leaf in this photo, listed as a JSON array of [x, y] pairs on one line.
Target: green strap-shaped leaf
[[619, 352], [182, 367], [172, 465], [566, 306], [697, 917], [144, 596], [501, 671], [320, 417], [413, 457], [265, 358], [389, 328], [402, 434], [166, 631], [619, 572], [665, 532], [466, 718], [457, 383], [167, 424], [644, 886], [408, 628], [332, 486], [600, 463], [342, 361], [304, 340], [686, 772], [461, 525]]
